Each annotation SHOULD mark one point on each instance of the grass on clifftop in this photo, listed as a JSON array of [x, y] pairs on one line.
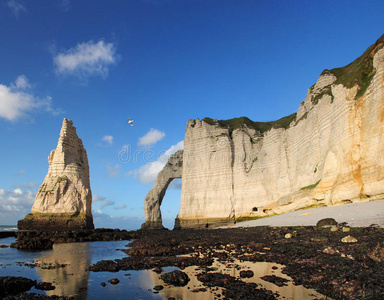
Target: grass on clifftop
[[262, 127], [360, 71]]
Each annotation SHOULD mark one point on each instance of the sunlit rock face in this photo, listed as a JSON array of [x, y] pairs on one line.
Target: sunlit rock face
[[173, 169], [64, 199], [330, 152]]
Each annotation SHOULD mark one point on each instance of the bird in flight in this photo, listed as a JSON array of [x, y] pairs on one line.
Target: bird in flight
[[130, 122]]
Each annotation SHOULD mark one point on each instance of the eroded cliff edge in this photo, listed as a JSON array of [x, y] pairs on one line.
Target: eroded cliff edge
[[329, 152]]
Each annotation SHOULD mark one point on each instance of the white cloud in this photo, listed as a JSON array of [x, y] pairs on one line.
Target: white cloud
[[86, 59], [17, 100], [107, 139], [113, 171], [149, 171], [102, 220], [15, 204], [102, 200], [21, 172], [151, 137], [65, 5], [21, 83], [30, 185], [16, 7], [121, 206]]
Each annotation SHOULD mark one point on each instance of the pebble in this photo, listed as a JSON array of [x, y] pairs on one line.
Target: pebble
[[349, 239]]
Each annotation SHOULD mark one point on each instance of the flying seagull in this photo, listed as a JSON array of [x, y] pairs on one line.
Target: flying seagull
[[130, 122]]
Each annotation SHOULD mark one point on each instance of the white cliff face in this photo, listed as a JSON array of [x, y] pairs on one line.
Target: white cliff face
[[66, 187], [65, 192], [332, 153]]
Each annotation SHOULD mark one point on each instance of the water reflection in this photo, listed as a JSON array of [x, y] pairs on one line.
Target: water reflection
[[260, 269], [66, 267]]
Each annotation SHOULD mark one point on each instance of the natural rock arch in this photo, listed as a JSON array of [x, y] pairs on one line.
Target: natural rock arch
[[173, 169]]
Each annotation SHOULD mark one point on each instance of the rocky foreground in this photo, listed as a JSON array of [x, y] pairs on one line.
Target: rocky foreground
[[339, 262]]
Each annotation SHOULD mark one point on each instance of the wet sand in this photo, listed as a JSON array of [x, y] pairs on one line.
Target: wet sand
[[360, 214]]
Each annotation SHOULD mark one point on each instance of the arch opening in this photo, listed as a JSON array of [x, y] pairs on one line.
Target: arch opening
[[153, 200], [170, 205]]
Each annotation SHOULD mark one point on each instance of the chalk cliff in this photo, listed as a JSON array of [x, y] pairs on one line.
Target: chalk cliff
[[64, 200], [330, 152]]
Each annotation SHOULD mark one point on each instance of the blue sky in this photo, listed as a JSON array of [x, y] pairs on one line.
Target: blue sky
[[160, 62]]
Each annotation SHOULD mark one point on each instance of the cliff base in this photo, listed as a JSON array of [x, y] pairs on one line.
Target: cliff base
[[55, 222]]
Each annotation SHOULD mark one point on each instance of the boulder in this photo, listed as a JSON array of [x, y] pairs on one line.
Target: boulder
[[176, 278], [327, 222]]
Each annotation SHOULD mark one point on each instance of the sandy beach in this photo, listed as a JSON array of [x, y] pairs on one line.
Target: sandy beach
[[355, 214]]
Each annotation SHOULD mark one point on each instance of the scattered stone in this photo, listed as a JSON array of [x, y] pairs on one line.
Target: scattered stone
[[326, 222], [114, 281], [176, 278], [103, 284], [330, 250], [319, 239], [279, 281], [3, 246], [346, 229], [45, 286], [246, 274], [349, 239], [334, 228], [158, 287], [288, 236]]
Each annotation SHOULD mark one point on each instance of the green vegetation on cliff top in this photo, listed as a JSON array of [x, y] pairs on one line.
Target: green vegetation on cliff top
[[360, 72], [237, 123]]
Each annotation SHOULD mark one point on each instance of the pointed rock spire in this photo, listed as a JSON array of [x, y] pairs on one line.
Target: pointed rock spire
[[64, 200]]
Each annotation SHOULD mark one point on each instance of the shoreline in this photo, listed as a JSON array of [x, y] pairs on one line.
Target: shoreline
[[340, 262], [357, 214]]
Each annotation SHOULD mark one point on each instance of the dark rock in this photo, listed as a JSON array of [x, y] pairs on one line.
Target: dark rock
[[326, 222], [33, 244], [103, 284], [158, 287], [234, 288], [114, 281], [279, 281], [10, 285], [157, 270], [246, 274], [45, 286], [176, 278], [5, 234]]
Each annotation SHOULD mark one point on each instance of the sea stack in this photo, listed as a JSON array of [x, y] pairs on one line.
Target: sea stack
[[64, 200]]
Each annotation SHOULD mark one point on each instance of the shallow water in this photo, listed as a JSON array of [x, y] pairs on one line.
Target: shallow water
[[66, 267]]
